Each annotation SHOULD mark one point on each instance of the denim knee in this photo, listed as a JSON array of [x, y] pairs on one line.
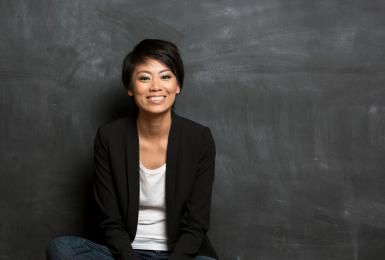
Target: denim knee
[[60, 247]]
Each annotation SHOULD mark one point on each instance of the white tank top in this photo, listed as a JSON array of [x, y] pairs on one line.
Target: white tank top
[[151, 232]]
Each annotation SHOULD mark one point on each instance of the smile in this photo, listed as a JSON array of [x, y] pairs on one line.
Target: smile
[[156, 99]]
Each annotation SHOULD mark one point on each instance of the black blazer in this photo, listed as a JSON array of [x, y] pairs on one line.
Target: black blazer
[[189, 180]]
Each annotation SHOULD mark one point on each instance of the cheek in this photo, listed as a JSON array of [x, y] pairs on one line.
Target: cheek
[[173, 87], [137, 89]]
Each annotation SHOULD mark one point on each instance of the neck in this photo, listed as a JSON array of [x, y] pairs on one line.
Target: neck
[[152, 126]]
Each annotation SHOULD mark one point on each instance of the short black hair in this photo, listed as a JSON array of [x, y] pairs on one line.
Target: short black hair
[[160, 50]]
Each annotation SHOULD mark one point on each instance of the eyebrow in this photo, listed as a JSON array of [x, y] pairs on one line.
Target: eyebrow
[[150, 72]]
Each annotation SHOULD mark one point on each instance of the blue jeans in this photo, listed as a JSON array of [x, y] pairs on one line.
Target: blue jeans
[[78, 248]]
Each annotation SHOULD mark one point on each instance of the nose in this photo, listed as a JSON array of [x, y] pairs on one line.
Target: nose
[[155, 85]]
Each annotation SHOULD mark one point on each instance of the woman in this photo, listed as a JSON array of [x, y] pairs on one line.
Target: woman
[[154, 171]]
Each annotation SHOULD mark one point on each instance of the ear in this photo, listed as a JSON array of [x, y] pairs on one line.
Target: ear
[[130, 93], [177, 90]]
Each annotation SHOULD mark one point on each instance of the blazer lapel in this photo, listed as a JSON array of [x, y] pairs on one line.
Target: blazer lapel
[[171, 167], [132, 171]]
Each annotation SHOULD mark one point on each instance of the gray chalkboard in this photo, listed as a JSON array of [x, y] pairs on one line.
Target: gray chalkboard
[[294, 92]]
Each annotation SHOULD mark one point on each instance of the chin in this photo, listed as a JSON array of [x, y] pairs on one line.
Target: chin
[[156, 111], [159, 109]]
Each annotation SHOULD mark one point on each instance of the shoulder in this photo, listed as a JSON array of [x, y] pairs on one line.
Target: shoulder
[[186, 122], [116, 127], [192, 131], [189, 126]]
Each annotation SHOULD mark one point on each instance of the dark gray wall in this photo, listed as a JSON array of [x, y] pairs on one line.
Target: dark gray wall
[[294, 92]]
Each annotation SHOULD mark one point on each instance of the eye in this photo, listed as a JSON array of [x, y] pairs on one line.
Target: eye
[[166, 77], [144, 78]]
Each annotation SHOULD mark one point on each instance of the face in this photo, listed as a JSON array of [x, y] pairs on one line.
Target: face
[[154, 87]]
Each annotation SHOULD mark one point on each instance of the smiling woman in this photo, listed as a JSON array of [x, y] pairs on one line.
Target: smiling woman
[[154, 171], [154, 87]]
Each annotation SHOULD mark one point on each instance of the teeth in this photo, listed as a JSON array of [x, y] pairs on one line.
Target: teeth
[[157, 98]]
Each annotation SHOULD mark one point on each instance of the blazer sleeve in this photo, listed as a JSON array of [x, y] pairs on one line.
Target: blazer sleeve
[[112, 224], [196, 219]]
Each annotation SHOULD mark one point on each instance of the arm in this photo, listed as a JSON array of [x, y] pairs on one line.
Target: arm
[[111, 222], [196, 219]]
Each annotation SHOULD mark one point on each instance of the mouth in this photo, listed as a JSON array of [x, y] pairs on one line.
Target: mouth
[[156, 99]]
